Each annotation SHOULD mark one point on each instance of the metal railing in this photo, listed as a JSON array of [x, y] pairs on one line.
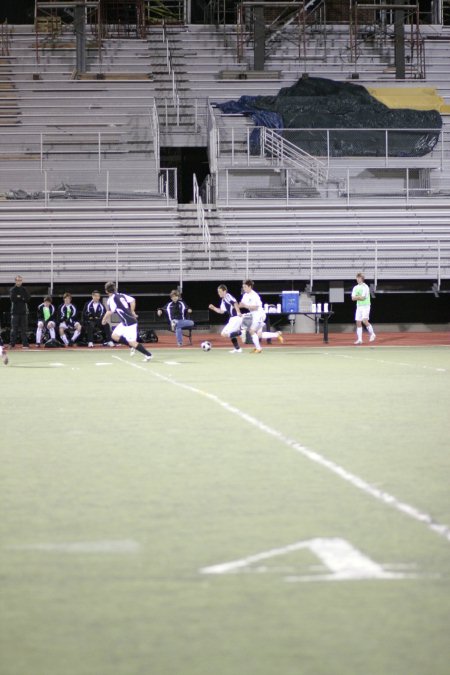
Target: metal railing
[[61, 186], [168, 183], [313, 259], [287, 154], [5, 38], [202, 221]]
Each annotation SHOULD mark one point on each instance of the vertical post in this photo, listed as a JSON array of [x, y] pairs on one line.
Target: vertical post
[[181, 266], [51, 268], [42, 150], [407, 186], [79, 23], [311, 273], [287, 187], [247, 259], [232, 146], [45, 190], [328, 148], [386, 147], [439, 264], [259, 37], [226, 184], [348, 187], [99, 152], [117, 264], [107, 188], [399, 37], [248, 145], [375, 273]]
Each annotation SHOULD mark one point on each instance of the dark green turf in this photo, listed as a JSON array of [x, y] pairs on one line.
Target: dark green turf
[[114, 453]]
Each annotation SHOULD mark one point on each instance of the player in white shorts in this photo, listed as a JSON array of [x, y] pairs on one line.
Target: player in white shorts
[[253, 303], [126, 331], [230, 306], [361, 295]]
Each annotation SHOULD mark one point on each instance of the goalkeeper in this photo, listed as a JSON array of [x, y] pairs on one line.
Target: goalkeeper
[[361, 295]]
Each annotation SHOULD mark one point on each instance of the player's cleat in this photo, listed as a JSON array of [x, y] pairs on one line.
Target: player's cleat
[[236, 351], [147, 358], [280, 337], [5, 358], [358, 342], [256, 351], [38, 345], [132, 351], [372, 337], [110, 343], [90, 344]]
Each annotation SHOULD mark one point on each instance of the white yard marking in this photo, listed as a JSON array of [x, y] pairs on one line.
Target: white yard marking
[[402, 364], [385, 497], [100, 363], [172, 363], [102, 546], [344, 562], [56, 365]]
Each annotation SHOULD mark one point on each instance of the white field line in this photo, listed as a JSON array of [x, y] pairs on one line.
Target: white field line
[[343, 561], [382, 496], [102, 546], [403, 364]]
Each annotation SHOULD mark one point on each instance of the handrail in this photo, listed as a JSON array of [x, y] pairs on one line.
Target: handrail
[[291, 154], [202, 221]]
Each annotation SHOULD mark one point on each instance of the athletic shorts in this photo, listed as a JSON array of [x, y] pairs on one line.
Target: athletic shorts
[[66, 326], [128, 332], [362, 313], [233, 325], [258, 319]]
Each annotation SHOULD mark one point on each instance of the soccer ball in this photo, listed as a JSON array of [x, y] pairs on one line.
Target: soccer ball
[[206, 346]]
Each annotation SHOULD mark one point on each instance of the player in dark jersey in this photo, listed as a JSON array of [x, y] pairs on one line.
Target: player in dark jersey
[[229, 305], [45, 319], [126, 331]]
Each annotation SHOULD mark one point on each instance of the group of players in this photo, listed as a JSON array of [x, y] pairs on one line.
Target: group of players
[[95, 315]]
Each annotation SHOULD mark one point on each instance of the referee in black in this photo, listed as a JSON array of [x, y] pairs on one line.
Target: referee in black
[[19, 312]]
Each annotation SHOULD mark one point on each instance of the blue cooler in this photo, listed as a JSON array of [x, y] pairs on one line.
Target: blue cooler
[[290, 301]]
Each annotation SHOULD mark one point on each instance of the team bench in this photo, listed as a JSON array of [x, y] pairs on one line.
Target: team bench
[[149, 320]]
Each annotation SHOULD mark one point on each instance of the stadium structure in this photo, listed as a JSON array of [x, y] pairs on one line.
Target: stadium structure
[[118, 160]]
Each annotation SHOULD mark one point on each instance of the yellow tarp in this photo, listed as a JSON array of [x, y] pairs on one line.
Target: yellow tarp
[[416, 98]]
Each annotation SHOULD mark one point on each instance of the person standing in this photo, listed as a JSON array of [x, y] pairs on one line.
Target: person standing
[[361, 295], [177, 312], [229, 305], [126, 331], [3, 354], [45, 319], [19, 312], [93, 313]]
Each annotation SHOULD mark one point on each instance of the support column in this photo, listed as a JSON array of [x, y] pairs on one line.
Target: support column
[[259, 38], [79, 22], [399, 33]]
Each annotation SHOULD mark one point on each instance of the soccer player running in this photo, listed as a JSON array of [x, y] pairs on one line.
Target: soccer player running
[[229, 305], [361, 295], [126, 331], [253, 303]]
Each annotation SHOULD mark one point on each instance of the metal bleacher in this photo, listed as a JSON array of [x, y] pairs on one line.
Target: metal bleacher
[[83, 196]]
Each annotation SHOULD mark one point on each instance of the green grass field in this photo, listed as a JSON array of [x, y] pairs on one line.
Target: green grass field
[[321, 474]]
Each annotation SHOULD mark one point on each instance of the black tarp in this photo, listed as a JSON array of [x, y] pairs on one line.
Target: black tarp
[[315, 103]]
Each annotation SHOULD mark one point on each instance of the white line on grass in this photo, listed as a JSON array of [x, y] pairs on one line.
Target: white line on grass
[[101, 546], [382, 496], [403, 364]]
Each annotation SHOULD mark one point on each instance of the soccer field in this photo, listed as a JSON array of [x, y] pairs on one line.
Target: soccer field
[[212, 514]]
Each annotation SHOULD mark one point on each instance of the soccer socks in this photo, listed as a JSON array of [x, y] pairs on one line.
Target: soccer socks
[[52, 332], [369, 329], [359, 333], [65, 340], [38, 335], [267, 335], [142, 349], [76, 335], [235, 342], [255, 340]]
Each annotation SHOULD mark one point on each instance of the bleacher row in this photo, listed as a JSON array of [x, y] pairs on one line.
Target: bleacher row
[[97, 138]]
